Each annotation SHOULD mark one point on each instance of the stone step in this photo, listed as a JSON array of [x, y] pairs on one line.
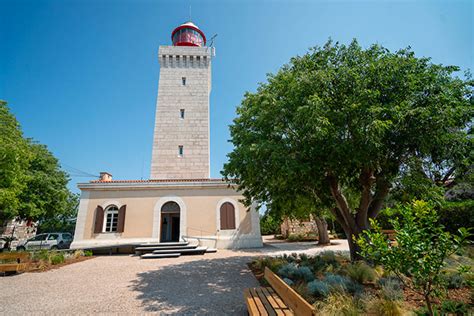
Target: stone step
[[158, 256], [164, 244], [165, 247], [211, 250], [195, 251]]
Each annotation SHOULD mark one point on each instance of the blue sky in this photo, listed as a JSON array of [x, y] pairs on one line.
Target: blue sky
[[82, 76]]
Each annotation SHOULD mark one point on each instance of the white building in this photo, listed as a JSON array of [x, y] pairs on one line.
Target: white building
[[180, 200]]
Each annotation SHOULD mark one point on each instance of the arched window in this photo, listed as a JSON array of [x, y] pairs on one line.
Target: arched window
[[227, 213], [111, 219], [170, 207]]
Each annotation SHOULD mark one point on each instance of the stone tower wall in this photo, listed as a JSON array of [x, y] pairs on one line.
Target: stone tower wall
[[171, 131]]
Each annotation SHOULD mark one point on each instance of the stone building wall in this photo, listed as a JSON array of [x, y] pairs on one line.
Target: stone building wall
[[297, 227], [192, 131], [20, 229]]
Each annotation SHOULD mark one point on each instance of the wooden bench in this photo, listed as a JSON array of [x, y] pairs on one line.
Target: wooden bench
[[279, 299], [16, 261]]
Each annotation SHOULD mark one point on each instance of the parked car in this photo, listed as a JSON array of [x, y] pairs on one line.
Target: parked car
[[47, 241]]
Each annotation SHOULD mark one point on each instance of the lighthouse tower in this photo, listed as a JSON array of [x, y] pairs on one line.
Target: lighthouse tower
[[181, 136]]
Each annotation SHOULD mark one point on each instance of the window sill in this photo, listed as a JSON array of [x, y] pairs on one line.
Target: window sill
[[108, 235]]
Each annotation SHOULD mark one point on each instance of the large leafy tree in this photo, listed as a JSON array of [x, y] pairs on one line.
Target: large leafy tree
[[32, 184], [46, 194], [14, 160], [341, 122]]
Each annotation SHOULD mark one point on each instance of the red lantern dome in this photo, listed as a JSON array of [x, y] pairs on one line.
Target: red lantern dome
[[188, 34]]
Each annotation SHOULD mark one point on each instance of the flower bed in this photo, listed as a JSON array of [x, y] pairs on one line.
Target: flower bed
[[44, 260], [338, 287]]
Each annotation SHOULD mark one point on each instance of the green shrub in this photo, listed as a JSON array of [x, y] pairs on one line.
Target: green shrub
[[78, 253], [339, 304], [340, 283], [305, 273], [454, 215], [447, 307], [302, 290], [361, 272], [330, 258], [391, 288], [261, 262], [304, 257], [88, 253], [384, 307], [288, 270], [43, 264], [454, 280], [454, 308], [288, 281], [295, 237], [290, 258], [272, 263], [293, 272], [269, 225], [325, 261], [41, 255], [318, 288], [422, 248], [56, 258]]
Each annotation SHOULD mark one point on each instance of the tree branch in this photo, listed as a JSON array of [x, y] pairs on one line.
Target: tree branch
[[366, 180], [448, 175], [382, 187], [341, 202]]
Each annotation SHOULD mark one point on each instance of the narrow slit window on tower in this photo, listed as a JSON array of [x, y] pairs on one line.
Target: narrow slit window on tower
[[181, 113], [180, 151], [184, 81]]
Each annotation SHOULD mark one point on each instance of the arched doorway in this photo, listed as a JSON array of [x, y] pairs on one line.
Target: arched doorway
[[170, 213]]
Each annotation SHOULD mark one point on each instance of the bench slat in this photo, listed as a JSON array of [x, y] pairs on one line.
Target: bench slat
[[251, 306], [263, 298], [276, 298], [273, 302], [259, 303], [282, 305], [14, 256], [13, 267], [288, 295]]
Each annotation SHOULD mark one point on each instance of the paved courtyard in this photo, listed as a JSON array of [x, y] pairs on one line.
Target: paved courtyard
[[209, 284]]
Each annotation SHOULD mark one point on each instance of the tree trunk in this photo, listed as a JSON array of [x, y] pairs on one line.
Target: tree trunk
[[354, 249], [323, 235], [428, 304]]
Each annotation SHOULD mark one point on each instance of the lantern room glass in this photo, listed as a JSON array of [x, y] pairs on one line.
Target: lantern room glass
[[188, 36]]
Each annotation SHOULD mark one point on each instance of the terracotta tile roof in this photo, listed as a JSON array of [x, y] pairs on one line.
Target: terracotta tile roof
[[158, 181]]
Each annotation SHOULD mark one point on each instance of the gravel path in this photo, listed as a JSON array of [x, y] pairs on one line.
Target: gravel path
[[211, 284]]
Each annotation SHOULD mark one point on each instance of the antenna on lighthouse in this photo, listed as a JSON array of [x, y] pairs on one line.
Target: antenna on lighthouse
[[213, 50], [190, 19]]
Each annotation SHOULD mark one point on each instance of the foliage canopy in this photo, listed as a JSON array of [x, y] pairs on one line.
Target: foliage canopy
[[341, 122], [32, 184]]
